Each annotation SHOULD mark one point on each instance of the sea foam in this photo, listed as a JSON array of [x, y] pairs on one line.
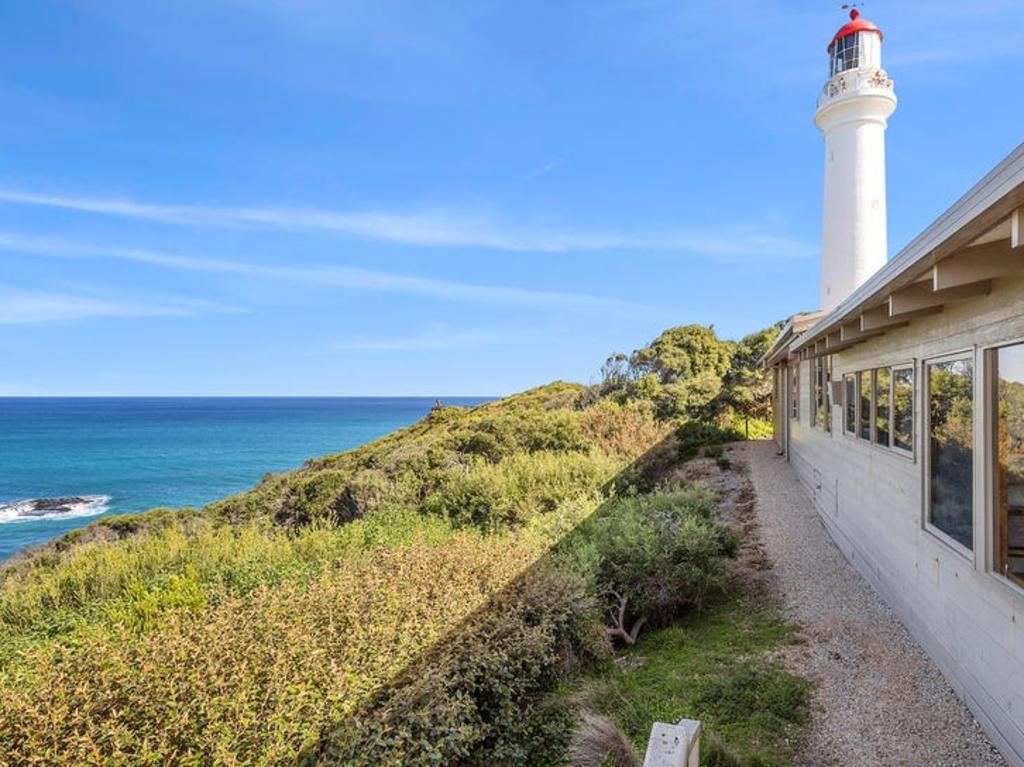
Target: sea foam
[[34, 509]]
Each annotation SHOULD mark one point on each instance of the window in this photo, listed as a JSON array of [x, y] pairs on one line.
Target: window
[[827, 390], [878, 406], [820, 376], [812, 387], [864, 392], [903, 409], [1008, 434], [881, 382], [846, 54], [794, 392], [850, 424], [824, 393], [951, 448]]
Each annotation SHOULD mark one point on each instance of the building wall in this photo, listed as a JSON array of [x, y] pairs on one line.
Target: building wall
[[871, 500]]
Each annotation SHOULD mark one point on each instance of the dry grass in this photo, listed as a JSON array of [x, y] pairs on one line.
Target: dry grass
[[598, 742]]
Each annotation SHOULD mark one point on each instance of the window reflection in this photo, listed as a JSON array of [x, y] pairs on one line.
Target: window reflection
[[820, 398], [864, 385], [827, 389], [794, 393], [1009, 436], [903, 408], [951, 441], [851, 404], [882, 406]]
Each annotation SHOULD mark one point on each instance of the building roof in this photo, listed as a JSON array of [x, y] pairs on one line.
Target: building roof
[[853, 26], [793, 327], [981, 237]]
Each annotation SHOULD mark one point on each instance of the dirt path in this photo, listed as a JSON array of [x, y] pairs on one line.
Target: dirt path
[[878, 699]]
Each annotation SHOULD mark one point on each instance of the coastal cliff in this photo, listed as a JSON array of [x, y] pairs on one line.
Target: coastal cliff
[[413, 601]]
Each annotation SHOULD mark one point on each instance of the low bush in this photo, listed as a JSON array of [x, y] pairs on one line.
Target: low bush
[[653, 556], [691, 436], [624, 431], [448, 638], [54, 596], [470, 699], [509, 493]]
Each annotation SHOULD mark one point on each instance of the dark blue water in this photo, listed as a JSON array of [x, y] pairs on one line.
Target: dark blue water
[[133, 454]]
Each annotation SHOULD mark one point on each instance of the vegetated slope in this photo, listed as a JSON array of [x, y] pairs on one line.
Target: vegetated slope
[[408, 602]]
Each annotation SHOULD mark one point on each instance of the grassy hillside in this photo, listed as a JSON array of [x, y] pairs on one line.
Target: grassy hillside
[[414, 601]]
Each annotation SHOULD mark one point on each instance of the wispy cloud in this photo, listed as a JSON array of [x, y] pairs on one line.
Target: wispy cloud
[[546, 168], [432, 340], [426, 229], [319, 276], [21, 307]]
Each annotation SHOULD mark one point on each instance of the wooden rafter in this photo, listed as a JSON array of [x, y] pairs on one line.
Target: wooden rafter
[[921, 296], [977, 264], [879, 318], [850, 331]]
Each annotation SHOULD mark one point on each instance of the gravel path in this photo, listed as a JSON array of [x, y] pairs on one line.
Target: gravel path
[[878, 699]]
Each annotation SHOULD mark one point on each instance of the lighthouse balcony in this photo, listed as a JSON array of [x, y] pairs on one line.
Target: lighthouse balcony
[[856, 82]]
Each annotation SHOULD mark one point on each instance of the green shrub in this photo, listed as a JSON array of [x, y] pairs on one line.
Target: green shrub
[[469, 701], [654, 555], [495, 496], [54, 596], [140, 607], [624, 431], [693, 435], [451, 633]]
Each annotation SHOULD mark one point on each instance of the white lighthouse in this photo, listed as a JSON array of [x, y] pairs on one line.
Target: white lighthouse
[[852, 111]]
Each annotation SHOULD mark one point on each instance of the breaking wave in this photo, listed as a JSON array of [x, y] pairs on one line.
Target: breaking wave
[[34, 509]]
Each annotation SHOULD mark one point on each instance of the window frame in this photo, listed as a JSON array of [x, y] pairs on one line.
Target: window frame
[[912, 367], [870, 438], [821, 406], [874, 408], [851, 378], [794, 392], [845, 45], [941, 536], [826, 392], [989, 414], [812, 389]]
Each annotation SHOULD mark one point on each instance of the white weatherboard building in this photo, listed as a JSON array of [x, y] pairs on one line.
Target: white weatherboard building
[[900, 404]]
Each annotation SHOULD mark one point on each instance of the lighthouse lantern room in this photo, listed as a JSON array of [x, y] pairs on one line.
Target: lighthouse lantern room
[[857, 44]]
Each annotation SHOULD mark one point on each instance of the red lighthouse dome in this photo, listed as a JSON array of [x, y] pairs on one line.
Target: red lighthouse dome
[[853, 26]]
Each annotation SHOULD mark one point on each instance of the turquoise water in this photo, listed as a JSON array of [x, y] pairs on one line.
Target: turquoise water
[[133, 454]]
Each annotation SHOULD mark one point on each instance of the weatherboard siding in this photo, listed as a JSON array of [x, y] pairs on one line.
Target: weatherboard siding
[[871, 501]]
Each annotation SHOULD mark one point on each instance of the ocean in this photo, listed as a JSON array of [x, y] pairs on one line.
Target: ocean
[[115, 455]]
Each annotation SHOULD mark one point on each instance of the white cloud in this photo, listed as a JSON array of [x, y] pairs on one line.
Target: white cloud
[[318, 276], [21, 307], [426, 229]]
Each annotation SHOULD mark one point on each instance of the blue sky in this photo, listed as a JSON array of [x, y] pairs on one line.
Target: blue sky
[[332, 197]]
